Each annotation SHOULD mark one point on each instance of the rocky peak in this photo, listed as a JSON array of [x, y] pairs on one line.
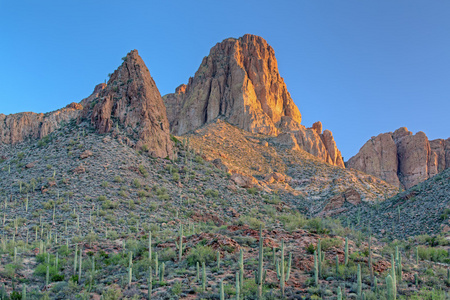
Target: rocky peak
[[239, 82], [132, 104], [402, 158]]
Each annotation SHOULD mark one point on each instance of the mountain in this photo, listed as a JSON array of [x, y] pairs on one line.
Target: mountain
[[130, 105], [239, 82], [132, 102], [102, 203], [401, 158]]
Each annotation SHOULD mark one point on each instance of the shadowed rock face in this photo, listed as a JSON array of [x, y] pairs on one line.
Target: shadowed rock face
[[131, 101], [401, 158], [238, 81], [16, 128]]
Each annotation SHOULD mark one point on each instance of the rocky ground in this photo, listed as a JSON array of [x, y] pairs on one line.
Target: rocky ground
[[77, 189]]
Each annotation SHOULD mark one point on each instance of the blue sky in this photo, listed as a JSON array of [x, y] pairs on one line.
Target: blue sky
[[360, 67]]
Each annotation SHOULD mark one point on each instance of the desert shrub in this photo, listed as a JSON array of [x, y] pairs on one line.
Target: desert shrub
[[201, 253], [212, 193], [328, 243], [293, 222], [143, 171], [252, 222]]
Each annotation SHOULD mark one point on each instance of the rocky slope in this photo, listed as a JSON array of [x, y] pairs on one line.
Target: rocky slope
[[423, 209], [401, 158], [239, 82], [261, 162], [86, 191]]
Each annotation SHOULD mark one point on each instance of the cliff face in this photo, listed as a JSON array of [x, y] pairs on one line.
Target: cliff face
[[239, 82], [313, 141], [16, 128], [132, 103], [401, 158]]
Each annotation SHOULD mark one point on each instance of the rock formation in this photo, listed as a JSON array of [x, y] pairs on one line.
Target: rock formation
[[130, 101], [16, 128], [239, 82], [312, 140], [401, 158], [132, 104]]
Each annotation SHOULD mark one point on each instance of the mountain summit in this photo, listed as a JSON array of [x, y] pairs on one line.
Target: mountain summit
[[132, 103], [238, 81]]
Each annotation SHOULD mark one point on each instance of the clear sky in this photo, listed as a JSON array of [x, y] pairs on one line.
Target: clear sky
[[360, 67]]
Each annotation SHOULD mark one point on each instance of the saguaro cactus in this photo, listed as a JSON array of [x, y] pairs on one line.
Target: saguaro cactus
[[241, 268], [238, 288], [346, 251], [203, 277], [339, 293], [359, 282], [180, 245], [282, 274], [150, 283], [316, 269], [260, 275], [390, 294]]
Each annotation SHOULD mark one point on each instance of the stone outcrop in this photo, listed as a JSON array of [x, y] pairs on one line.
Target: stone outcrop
[[334, 205], [239, 82], [313, 141], [401, 158], [16, 128], [132, 105]]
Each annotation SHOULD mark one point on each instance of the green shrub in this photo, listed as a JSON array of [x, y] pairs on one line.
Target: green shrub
[[143, 171], [201, 253], [212, 193]]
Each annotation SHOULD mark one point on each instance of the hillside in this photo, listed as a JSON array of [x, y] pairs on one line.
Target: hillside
[[91, 192], [423, 209]]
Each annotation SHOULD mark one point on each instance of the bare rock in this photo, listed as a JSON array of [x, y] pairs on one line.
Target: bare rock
[[322, 146], [80, 169], [401, 158], [86, 154], [30, 165], [19, 127], [238, 81], [132, 98], [334, 205], [244, 181], [317, 126]]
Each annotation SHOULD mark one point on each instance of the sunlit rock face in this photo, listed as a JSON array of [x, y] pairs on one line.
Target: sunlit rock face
[[239, 82], [401, 158]]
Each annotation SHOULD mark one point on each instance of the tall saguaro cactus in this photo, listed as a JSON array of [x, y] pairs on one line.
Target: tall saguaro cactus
[[346, 251], [316, 269], [180, 245], [282, 274], [260, 275]]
